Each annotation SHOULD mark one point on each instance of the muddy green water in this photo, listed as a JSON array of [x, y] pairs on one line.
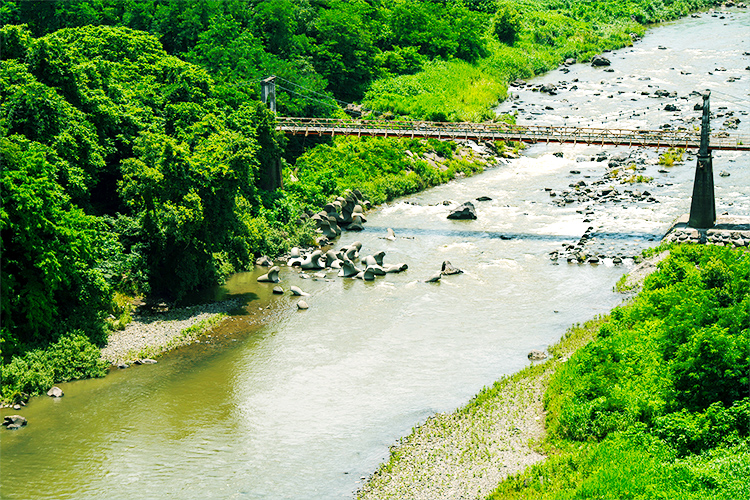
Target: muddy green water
[[307, 405]]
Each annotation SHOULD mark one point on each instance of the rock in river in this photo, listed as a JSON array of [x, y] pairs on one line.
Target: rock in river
[[449, 269], [55, 392], [464, 212], [14, 421], [536, 355], [599, 60], [272, 276]]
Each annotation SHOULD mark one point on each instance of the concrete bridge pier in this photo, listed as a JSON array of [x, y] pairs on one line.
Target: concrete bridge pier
[[703, 205]]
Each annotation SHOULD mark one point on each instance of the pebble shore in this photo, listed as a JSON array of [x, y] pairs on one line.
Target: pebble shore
[[465, 454], [160, 331]]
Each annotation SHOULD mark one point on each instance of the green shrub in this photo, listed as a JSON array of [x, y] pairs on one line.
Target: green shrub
[[72, 357]]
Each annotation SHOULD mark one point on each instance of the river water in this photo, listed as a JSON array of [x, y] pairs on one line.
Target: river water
[[307, 404]]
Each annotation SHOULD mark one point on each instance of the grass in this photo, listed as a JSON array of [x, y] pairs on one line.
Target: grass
[[185, 336], [636, 179], [671, 156]]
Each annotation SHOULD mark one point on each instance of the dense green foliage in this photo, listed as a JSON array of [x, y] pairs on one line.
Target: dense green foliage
[[379, 167], [135, 154], [461, 53], [123, 169], [519, 39], [658, 405], [334, 47], [71, 357]]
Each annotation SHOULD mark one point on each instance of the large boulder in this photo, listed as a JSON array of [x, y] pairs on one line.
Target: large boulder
[[348, 269], [449, 269], [264, 261], [271, 277], [548, 88], [465, 211], [599, 60]]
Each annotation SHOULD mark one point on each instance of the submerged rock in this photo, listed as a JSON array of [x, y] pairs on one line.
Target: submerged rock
[[449, 269], [435, 278], [536, 355]]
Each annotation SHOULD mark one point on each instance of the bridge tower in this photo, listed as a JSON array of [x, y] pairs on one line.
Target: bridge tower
[[268, 92], [703, 205], [270, 172]]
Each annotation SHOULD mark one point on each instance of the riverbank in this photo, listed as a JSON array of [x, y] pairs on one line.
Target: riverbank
[[498, 434], [465, 454], [152, 334]]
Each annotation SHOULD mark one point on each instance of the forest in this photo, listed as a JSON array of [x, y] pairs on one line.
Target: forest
[[134, 146]]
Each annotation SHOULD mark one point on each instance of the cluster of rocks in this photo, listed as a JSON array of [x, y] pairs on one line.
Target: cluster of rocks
[[576, 253], [648, 90], [345, 212], [13, 422], [144, 361], [599, 192], [621, 168], [346, 261]]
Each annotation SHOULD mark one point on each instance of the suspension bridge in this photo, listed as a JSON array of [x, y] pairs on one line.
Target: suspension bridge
[[489, 131], [703, 205], [505, 132]]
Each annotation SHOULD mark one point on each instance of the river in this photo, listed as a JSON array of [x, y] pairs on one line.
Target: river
[[306, 405]]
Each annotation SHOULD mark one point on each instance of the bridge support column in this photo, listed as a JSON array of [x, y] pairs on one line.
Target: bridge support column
[[268, 92], [703, 205]]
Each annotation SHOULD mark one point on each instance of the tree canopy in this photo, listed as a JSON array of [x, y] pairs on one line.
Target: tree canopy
[[123, 168]]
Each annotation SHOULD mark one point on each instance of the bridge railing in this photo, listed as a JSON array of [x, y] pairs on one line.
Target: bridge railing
[[506, 132]]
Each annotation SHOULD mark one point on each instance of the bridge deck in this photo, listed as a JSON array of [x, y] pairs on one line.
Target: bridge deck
[[504, 132]]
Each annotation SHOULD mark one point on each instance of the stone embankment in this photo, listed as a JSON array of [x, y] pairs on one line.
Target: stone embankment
[[728, 231]]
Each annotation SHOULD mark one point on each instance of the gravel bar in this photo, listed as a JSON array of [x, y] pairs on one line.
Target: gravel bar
[[159, 332]]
